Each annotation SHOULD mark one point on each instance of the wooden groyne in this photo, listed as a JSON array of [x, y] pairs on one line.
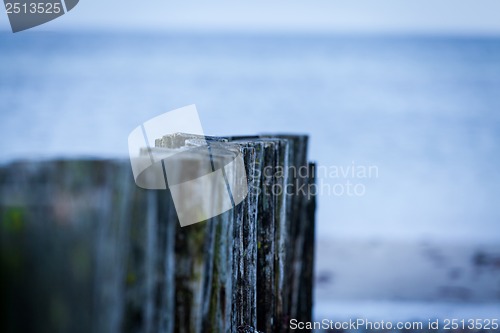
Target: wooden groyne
[[83, 249]]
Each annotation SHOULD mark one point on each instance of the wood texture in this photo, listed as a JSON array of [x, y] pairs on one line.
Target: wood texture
[[83, 249]]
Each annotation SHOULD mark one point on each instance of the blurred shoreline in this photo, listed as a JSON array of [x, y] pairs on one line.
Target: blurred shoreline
[[399, 278]]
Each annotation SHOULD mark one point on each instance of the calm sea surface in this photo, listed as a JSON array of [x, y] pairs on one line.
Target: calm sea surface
[[424, 112]]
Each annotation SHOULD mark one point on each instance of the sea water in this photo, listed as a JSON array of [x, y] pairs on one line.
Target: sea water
[[423, 112]]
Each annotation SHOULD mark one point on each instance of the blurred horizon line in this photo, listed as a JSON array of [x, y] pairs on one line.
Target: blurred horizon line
[[262, 33], [285, 16]]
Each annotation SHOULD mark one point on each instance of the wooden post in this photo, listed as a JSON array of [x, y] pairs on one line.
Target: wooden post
[[83, 249]]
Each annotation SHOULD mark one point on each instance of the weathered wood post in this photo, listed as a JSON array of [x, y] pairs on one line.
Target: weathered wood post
[[85, 250]]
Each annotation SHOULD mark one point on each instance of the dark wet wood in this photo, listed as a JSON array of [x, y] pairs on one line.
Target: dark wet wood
[[85, 250]]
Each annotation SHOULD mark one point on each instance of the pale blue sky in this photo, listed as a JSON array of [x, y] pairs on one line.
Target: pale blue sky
[[345, 16]]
